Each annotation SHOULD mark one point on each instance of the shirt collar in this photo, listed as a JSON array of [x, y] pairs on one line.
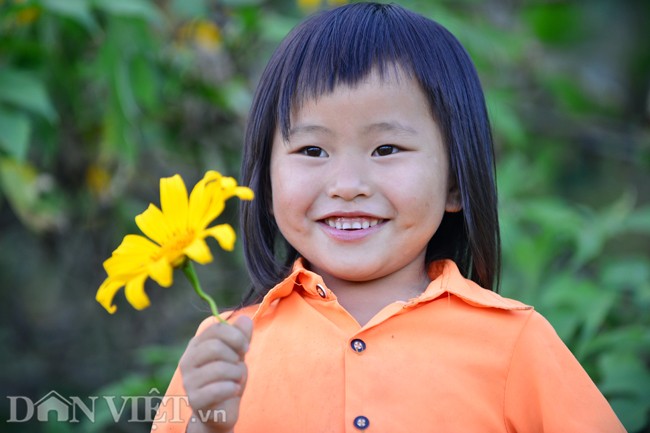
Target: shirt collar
[[445, 279]]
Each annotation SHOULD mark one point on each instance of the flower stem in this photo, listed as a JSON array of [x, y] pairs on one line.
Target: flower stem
[[190, 273]]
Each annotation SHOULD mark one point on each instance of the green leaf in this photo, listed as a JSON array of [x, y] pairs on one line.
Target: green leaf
[[130, 8], [629, 338], [32, 196], [235, 3], [638, 221], [189, 9], [123, 91], [14, 133], [555, 22], [143, 80], [633, 413], [504, 118], [25, 91], [77, 10], [626, 384], [624, 374]]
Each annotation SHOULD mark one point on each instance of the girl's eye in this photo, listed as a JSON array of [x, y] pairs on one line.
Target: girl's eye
[[313, 151], [386, 149]]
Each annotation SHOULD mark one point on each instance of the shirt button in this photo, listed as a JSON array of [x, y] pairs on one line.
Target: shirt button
[[361, 422], [358, 345], [321, 291]]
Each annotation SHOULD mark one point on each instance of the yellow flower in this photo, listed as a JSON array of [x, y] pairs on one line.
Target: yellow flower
[[203, 34], [176, 233], [309, 5]]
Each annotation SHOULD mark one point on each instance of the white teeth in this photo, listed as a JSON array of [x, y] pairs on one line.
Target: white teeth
[[340, 223]]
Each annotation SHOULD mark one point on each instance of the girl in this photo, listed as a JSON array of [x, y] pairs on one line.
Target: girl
[[373, 247]]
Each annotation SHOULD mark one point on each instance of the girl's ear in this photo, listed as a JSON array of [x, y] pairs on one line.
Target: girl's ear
[[454, 203]]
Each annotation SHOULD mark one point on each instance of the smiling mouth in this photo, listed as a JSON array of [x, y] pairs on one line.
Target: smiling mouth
[[346, 223]]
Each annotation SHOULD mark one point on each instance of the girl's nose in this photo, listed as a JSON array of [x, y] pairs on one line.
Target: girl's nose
[[348, 180]]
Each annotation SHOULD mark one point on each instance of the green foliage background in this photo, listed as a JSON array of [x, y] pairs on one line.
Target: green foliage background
[[101, 98]]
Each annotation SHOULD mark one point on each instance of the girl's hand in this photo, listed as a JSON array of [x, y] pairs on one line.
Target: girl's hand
[[214, 375]]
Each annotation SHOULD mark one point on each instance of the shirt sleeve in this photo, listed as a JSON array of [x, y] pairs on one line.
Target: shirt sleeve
[[547, 389]]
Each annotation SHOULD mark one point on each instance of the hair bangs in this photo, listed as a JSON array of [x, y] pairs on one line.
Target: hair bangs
[[333, 49]]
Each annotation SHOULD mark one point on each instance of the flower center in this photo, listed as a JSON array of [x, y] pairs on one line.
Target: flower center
[[173, 247]]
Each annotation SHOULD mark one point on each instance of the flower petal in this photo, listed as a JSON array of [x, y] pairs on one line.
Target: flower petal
[[135, 294], [129, 258], [174, 202], [106, 293], [136, 245], [206, 201], [161, 272], [153, 224], [198, 251], [224, 234], [228, 185], [244, 193]]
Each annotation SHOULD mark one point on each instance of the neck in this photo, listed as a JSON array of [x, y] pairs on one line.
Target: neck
[[364, 299]]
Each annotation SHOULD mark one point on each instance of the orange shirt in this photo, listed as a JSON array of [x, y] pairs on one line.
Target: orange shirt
[[456, 359]]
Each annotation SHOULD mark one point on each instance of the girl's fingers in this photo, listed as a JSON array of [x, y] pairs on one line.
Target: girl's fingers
[[214, 394], [245, 325], [236, 336], [219, 342], [209, 350], [217, 372]]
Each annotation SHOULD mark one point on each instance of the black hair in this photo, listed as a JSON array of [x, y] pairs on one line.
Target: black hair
[[341, 47]]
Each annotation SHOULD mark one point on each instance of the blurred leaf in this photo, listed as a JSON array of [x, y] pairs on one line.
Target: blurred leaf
[[516, 177], [189, 9], [14, 133], [143, 79], [155, 355], [77, 10], [124, 91], [554, 22], [277, 26], [638, 221], [31, 195], [56, 426], [504, 119], [130, 8], [237, 97], [235, 3], [627, 381], [558, 303], [599, 228], [117, 139], [553, 215], [23, 90], [624, 374], [626, 271], [634, 338], [568, 92], [633, 413]]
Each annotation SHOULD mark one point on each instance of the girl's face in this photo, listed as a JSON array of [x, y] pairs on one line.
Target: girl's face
[[362, 183]]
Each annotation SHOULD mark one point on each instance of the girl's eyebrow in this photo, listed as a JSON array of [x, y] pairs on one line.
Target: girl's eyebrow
[[305, 129], [391, 126]]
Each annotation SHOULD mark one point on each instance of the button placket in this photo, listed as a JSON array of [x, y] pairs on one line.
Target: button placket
[[356, 384]]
